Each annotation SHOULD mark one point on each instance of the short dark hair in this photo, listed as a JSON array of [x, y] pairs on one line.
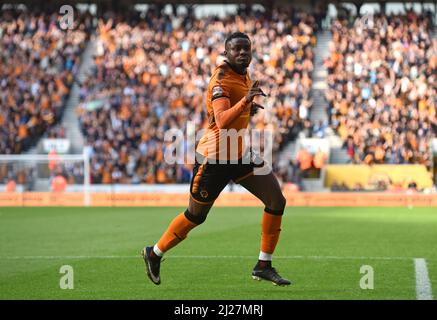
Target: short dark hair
[[236, 35]]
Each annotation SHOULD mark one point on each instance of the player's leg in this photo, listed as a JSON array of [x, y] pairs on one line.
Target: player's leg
[[176, 232], [267, 189], [207, 183], [180, 226]]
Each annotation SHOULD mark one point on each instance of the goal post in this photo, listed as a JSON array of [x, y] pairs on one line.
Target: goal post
[[46, 173]]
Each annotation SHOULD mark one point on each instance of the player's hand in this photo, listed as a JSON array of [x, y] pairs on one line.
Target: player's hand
[[255, 108], [254, 91]]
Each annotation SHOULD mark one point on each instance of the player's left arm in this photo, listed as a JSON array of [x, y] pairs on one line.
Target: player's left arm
[[224, 113]]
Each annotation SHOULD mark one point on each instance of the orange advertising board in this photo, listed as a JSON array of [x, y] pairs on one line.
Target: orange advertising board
[[49, 199]]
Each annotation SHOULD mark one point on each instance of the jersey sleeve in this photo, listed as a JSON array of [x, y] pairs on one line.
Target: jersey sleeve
[[220, 88]]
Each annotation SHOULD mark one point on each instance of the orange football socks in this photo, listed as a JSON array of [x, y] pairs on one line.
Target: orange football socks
[[270, 229], [175, 233]]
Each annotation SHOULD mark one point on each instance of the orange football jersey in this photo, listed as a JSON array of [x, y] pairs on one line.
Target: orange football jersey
[[225, 144]]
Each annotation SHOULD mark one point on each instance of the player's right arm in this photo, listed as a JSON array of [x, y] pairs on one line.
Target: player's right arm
[[224, 113]]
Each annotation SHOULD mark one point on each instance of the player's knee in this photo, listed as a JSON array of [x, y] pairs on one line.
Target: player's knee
[[277, 205], [196, 217], [279, 202]]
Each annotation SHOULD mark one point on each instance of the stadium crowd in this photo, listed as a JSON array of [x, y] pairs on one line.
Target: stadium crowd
[[152, 70], [152, 73], [382, 88], [38, 61]]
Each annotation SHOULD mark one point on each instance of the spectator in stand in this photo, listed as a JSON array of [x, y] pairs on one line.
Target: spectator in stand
[[344, 187], [304, 160], [412, 186], [358, 187], [59, 183], [11, 186], [53, 159], [320, 159], [335, 187]]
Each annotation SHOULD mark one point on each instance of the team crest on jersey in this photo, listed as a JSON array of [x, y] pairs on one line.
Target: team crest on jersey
[[217, 92], [204, 194]]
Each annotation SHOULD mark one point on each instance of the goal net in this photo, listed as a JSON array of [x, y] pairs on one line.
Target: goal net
[[46, 173]]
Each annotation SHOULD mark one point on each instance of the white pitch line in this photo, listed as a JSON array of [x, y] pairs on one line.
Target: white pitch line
[[64, 257], [423, 284], [295, 257], [201, 257]]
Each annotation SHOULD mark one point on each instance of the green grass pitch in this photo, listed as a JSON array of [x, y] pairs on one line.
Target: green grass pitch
[[320, 249]]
